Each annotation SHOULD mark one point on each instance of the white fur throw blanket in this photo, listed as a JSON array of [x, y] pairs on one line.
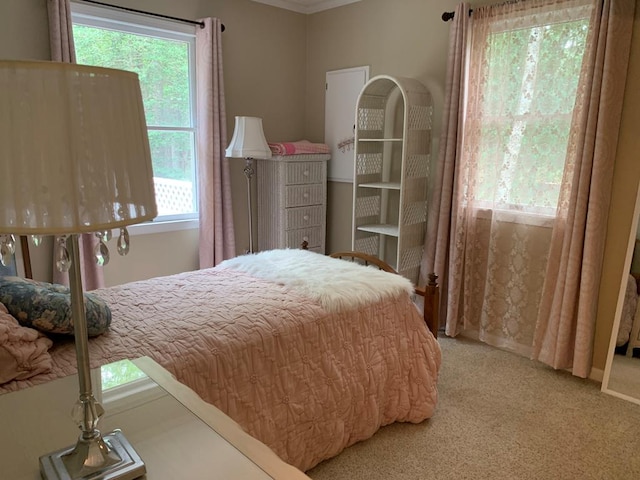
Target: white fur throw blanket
[[337, 285]]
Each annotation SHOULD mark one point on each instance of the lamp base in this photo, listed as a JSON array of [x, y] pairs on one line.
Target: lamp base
[[124, 464]]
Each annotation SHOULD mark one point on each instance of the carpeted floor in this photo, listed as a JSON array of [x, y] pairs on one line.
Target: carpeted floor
[[502, 416]]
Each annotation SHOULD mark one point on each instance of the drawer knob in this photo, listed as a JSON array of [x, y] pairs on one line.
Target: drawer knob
[[306, 218], [306, 195], [305, 173], [306, 239]]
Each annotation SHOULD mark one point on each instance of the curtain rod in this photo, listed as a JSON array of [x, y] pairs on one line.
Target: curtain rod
[[446, 16], [192, 22]]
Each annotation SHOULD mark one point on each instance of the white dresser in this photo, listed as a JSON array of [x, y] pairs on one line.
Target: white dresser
[[292, 202]]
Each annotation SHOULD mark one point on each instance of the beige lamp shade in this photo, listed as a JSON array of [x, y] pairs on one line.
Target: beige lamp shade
[[74, 150], [248, 140]]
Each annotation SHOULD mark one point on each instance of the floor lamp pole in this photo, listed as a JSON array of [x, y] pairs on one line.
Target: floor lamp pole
[[248, 172]]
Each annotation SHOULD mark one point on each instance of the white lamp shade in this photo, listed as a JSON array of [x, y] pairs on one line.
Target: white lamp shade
[[248, 140], [74, 150]]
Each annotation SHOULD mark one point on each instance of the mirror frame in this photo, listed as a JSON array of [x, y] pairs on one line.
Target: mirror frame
[[618, 315]]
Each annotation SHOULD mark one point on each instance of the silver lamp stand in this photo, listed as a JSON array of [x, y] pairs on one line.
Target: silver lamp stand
[[248, 172], [94, 457]]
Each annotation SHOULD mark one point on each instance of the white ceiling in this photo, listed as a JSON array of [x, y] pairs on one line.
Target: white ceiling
[[306, 6]]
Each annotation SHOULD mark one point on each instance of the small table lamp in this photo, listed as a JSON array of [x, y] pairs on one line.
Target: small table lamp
[[248, 142], [75, 159]]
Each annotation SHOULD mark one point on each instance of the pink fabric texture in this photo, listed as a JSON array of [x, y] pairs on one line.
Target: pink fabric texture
[[560, 319], [62, 50], [567, 318], [217, 237], [23, 351], [303, 380], [300, 147], [436, 249]]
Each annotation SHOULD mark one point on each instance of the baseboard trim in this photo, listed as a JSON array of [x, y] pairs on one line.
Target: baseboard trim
[[596, 374]]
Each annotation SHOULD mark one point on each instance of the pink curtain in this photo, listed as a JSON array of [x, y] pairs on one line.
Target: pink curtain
[[217, 239], [62, 50], [519, 275], [566, 322], [436, 253]]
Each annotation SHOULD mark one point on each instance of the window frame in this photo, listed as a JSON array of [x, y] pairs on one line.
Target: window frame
[[135, 23], [535, 213]]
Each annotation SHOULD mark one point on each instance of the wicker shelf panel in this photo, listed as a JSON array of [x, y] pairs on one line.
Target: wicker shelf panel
[[412, 237], [369, 244], [371, 119], [410, 258], [414, 213], [420, 117], [393, 147], [417, 166], [367, 207], [374, 102], [368, 163]]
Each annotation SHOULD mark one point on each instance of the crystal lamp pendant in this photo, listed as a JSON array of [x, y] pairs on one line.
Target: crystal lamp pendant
[[63, 260], [102, 251], [7, 249], [123, 241]]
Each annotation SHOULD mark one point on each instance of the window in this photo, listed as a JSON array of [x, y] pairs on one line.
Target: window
[[162, 53], [520, 123]]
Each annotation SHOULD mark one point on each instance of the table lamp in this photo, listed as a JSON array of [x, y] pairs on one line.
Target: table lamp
[[75, 159], [248, 142]]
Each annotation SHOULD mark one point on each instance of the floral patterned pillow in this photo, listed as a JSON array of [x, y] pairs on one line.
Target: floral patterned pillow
[[47, 306]]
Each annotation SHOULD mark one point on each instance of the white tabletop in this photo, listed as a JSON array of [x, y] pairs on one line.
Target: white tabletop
[[175, 433]]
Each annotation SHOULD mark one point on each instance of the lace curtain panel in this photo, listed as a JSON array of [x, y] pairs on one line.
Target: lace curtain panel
[[517, 165], [523, 73]]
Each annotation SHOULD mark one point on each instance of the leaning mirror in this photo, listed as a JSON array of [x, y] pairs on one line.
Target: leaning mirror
[[622, 371]]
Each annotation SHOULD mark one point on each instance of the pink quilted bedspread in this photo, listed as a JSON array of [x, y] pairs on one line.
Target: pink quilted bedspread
[[306, 382]]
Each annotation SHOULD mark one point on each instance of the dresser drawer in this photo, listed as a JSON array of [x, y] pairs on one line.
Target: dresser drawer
[[304, 172], [301, 195], [313, 236], [301, 217]]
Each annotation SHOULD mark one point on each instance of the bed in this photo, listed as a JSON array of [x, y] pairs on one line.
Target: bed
[[309, 354]]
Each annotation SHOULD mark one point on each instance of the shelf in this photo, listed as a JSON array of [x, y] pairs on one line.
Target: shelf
[[393, 141], [383, 185], [384, 229], [379, 139]]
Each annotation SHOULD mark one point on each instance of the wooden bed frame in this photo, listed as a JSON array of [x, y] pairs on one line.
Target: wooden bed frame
[[430, 292]]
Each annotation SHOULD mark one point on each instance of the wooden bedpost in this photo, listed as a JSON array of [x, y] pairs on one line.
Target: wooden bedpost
[[431, 309]]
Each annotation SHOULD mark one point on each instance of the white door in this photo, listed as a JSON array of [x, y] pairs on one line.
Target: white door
[[342, 90]]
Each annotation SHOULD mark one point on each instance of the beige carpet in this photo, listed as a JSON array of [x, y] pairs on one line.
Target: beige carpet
[[502, 416]]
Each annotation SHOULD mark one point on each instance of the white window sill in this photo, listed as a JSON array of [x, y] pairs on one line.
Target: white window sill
[[163, 227], [523, 218]]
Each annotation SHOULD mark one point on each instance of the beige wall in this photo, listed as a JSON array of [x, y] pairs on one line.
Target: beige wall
[[626, 180]]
